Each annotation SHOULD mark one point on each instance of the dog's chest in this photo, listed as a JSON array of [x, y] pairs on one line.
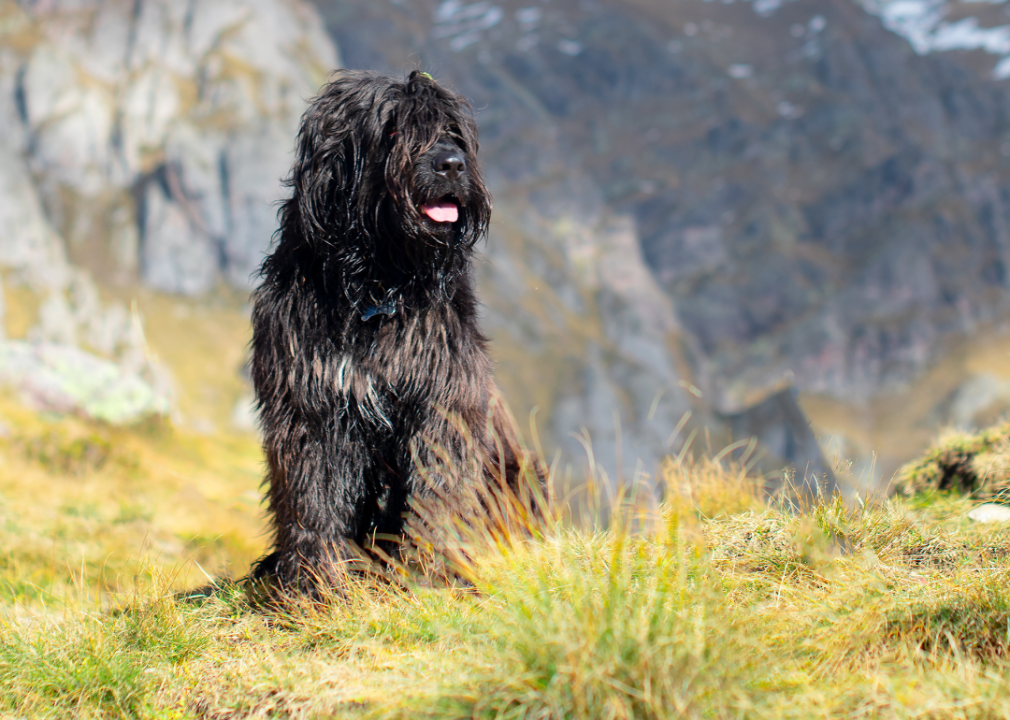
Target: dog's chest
[[424, 361]]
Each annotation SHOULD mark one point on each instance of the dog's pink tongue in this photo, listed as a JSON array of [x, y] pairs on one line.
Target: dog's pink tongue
[[441, 212]]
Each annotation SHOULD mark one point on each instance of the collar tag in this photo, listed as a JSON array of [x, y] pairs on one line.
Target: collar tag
[[386, 308]]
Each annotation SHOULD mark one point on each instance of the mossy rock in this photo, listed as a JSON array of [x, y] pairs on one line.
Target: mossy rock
[[977, 463], [67, 379]]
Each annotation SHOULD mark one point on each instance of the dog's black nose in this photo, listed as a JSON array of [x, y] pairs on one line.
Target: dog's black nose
[[449, 163]]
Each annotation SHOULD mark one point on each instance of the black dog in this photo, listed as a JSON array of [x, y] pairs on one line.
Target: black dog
[[373, 379]]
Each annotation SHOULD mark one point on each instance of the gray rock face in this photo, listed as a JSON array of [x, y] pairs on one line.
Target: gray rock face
[[696, 203], [582, 331], [157, 132], [818, 201], [143, 140]]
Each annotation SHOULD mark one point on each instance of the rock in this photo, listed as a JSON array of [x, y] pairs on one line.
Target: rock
[[609, 396], [177, 116], [979, 395], [990, 513], [175, 255], [29, 244], [143, 141], [788, 192], [64, 378], [815, 241], [780, 426]]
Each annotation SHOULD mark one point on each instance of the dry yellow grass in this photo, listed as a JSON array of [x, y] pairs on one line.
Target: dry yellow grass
[[87, 505], [717, 604]]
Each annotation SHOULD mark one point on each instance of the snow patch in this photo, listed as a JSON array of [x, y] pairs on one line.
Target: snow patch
[[569, 47], [787, 110], [463, 25], [923, 24], [767, 8], [529, 16]]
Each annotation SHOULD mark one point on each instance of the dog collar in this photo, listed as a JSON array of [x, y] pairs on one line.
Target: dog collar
[[386, 308]]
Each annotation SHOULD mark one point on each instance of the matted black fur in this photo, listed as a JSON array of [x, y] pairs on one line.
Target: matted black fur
[[372, 376]]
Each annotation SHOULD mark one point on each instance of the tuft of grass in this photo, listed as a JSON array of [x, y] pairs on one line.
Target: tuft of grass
[[963, 462], [604, 626], [96, 664]]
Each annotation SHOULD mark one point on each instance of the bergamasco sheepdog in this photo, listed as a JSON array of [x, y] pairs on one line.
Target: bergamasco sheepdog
[[372, 377]]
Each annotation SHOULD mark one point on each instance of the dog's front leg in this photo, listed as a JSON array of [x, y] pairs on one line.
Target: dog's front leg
[[317, 495]]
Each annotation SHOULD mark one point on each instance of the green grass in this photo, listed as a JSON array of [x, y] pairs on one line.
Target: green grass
[[717, 605]]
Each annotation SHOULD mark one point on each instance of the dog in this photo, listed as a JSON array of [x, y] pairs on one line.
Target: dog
[[373, 380]]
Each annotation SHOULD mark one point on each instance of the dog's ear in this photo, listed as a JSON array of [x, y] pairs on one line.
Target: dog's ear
[[333, 148]]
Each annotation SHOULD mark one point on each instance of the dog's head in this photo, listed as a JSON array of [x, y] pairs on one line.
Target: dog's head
[[390, 166]]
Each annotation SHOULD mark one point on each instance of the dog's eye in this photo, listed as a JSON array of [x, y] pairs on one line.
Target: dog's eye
[[453, 133]]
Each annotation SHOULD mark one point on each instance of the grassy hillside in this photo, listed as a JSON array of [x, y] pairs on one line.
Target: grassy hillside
[[87, 508], [716, 605]]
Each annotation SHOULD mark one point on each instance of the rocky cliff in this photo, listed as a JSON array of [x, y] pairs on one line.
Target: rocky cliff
[[157, 132], [144, 142], [810, 194], [697, 204]]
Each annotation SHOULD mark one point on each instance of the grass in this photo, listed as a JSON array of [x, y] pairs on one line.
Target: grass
[[717, 604], [86, 507]]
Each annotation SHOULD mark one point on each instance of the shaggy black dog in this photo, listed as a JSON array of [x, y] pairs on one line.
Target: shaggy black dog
[[372, 376]]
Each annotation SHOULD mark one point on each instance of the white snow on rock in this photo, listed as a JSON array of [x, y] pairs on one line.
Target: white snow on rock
[[767, 8], [923, 23], [463, 25], [569, 47]]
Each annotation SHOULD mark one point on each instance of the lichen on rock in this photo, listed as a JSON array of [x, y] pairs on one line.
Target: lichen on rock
[[66, 379]]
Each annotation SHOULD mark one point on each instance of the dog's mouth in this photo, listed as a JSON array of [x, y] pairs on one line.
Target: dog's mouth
[[443, 210]]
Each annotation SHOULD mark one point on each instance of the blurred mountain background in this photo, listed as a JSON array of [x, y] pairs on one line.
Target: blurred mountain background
[[713, 219]]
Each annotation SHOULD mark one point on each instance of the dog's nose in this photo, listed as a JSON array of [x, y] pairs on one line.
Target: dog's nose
[[449, 163]]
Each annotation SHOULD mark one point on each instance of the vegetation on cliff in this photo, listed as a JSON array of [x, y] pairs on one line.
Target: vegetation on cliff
[[965, 462]]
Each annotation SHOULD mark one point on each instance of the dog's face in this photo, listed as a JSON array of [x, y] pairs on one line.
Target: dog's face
[[442, 185], [391, 165]]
